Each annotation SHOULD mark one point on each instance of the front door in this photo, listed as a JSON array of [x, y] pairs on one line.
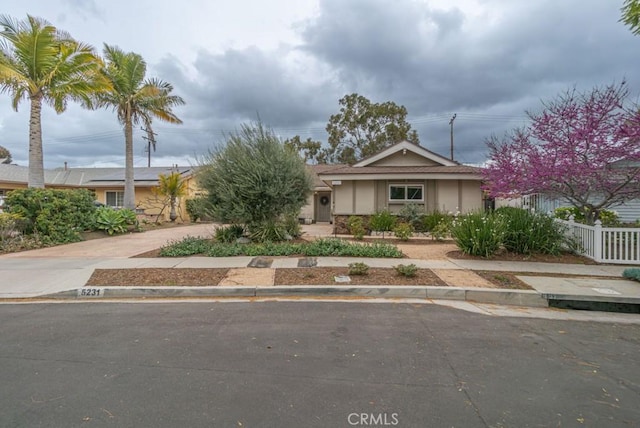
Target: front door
[[323, 207]]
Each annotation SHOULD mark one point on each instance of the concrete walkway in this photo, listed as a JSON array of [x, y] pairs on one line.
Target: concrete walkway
[[66, 268]]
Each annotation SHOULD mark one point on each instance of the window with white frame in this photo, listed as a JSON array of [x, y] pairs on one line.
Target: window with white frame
[[406, 193], [114, 199]]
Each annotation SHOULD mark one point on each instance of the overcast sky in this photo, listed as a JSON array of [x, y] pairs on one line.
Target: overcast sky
[[290, 61]]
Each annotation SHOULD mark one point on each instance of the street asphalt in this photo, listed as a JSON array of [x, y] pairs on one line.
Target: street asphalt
[[302, 364]]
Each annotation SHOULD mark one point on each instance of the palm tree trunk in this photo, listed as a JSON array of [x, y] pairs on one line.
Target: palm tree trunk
[[129, 187], [36, 164], [172, 214]]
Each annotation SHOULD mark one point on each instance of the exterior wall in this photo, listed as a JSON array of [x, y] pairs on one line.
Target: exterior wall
[[447, 196], [364, 197], [628, 212], [355, 197], [408, 159], [458, 195], [431, 196], [343, 198], [11, 186], [307, 211], [367, 197], [470, 196]]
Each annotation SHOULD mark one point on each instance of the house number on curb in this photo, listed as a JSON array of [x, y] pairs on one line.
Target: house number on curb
[[90, 292]]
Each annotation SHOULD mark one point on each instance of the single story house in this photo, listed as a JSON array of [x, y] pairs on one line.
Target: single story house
[[106, 183], [405, 173]]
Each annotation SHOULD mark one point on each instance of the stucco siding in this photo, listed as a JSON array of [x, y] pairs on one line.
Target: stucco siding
[[430, 196], [307, 211], [470, 196], [364, 197], [343, 194], [447, 198]]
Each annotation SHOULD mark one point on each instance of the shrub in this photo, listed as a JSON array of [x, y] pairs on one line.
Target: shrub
[[56, 215], [130, 218], [187, 246], [478, 234], [198, 208], [528, 232], [292, 225], [564, 213], [355, 224], [254, 180], [320, 247], [11, 226], [431, 220], [406, 270], [267, 231], [382, 221], [632, 273], [403, 231], [115, 221], [441, 230], [228, 234], [607, 217], [358, 268], [412, 214]]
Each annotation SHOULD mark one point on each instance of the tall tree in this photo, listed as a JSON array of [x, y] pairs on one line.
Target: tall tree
[[41, 63], [631, 15], [311, 150], [363, 128], [583, 148], [5, 155], [135, 100]]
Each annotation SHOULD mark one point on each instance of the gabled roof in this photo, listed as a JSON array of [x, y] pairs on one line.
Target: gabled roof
[[395, 163], [404, 146]]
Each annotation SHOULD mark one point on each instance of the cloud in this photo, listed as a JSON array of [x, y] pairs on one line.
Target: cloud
[[437, 61], [486, 60]]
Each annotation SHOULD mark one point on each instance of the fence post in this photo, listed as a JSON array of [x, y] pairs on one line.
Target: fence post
[[597, 241]]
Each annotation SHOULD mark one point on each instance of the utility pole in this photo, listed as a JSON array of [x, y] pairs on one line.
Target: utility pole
[[451, 123], [151, 142]]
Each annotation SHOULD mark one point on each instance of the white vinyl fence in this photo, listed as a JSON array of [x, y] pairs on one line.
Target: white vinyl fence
[[619, 245]]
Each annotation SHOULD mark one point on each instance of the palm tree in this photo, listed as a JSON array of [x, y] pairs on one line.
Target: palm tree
[[173, 187], [41, 63], [135, 100]]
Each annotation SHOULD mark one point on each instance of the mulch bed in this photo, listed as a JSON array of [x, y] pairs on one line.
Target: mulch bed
[[504, 280], [179, 277], [513, 257], [375, 276], [176, 277]]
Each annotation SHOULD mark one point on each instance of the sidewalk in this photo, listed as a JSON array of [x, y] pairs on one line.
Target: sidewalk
[[66, 268]]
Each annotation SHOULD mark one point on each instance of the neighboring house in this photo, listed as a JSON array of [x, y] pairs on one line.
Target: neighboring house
[[405, 173], [106, 183], [628, 212]]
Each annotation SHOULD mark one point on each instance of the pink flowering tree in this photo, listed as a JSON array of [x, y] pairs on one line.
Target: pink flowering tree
[[583, 148]]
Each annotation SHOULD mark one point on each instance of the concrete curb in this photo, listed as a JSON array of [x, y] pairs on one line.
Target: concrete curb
[[480, 295]]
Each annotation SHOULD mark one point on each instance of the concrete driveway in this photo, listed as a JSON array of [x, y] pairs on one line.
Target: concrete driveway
[[122, 246]]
